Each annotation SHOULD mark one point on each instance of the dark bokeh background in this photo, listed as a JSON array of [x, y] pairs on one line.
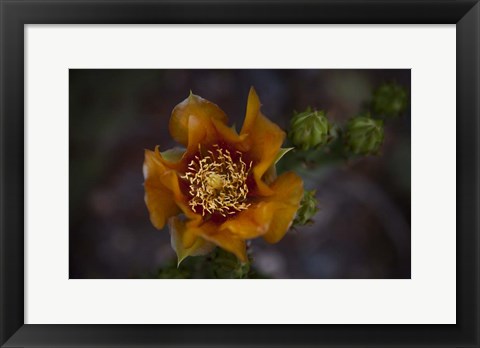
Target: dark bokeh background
[[361, 231]]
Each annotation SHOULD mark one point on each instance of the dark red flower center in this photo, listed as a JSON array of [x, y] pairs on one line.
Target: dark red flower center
[[217, 179]]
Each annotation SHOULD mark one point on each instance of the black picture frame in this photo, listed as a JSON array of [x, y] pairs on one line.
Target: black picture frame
[[17, 13]]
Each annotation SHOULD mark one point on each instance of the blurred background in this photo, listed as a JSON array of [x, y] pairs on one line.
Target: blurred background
[[362, 229]]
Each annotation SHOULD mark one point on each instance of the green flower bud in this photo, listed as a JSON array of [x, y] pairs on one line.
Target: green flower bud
[[172, 271], [309, 129], [364, 135], [226, 265], [308, 208], [390, 100]]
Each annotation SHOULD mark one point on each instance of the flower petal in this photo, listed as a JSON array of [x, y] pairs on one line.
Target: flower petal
[[272, 216], [163, 194], [250, 223], [224, 239], [170, 180], [158, 197], [173, 155], [190, 121], [172, 158], [185, 242], [271, 173], [284, 204], [229, 135], [264, 141]]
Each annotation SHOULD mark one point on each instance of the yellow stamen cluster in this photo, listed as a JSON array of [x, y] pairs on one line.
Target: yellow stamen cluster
[[217, 182]]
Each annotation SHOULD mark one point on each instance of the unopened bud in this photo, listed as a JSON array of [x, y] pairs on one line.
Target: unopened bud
[[390, 100], [308, 208], [364, 135], [309, 129]]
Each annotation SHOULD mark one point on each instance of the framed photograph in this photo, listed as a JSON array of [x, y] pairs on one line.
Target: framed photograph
[[239, 173]]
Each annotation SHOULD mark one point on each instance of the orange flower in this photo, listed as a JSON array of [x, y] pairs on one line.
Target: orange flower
[[223, 182]]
